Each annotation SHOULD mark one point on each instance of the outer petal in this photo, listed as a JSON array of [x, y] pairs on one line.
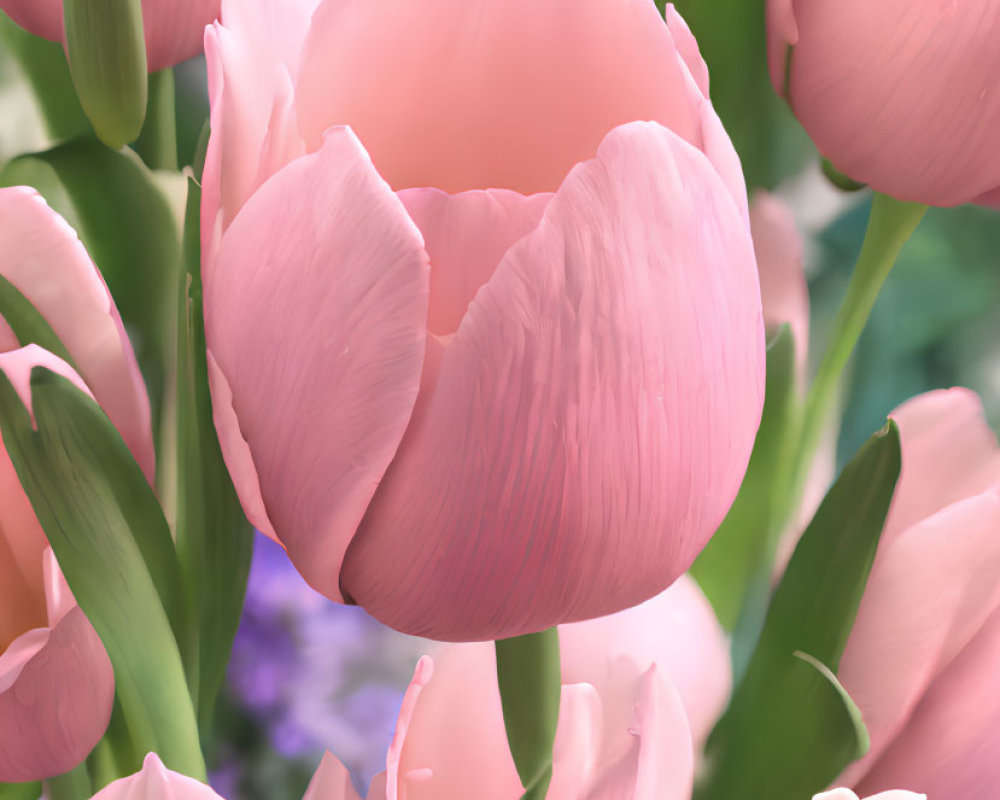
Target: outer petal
[[331, 781], [42, 257], [593, 415], [473, 94], [949, 453], [660, 763], [56, 693], [466, 235], [951, 745], [930, 592], [156, 782], [649, 633], [174, 28], [783, 290], [315, 316], [847, 794], [902, 95]]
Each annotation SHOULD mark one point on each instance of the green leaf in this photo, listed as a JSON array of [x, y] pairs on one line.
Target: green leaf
[[130, 230], [734, 568], [106, 47], [29, 326], [104, 525], [529, 678], [20, 791], [44, 65], [214, 540], [781, 737]]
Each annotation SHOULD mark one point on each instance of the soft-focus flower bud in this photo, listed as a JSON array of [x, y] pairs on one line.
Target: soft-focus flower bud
[[155, 782], [491, 359], [56, 681], [921, 661], [174, 29], [899, 94]]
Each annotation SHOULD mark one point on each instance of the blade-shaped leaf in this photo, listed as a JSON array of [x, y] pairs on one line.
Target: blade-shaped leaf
[[20, 791], [777, 717], [29, 326], [104, 525], [214, 540]]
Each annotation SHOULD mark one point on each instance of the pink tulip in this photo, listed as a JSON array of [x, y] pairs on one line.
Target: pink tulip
[[155, 782], [491, 359], [899, 94], [635, 708], [174, 28], [56, 682], [921, 661]]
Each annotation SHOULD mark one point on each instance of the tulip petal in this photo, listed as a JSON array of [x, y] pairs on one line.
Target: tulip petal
[[331, 781], [58, 704], [316, 319], [949, 453], [951, 745], [593, 415], [847, 794], [660, 763], [576, 753], [456, 732], [466, 235], [481, 95], [930, 591], [155, 782], [174, 30], [42, 257], [901, 96], [649, 633], [783, 290]]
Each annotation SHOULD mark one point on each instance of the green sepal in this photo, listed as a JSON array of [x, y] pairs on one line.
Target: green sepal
[[106, 48], [839, 179], [734, 568], [786, 711], [111, 541], [214, 539], [529, 677]]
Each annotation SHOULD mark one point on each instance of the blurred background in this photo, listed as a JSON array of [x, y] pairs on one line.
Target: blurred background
[[308, 675]]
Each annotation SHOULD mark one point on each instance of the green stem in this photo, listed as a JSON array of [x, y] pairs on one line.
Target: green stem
[[157, 144], [73, 785], [890, 226], [528, 674]]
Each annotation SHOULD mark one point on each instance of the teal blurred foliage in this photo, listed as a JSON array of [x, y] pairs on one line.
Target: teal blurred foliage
[[935, 324]]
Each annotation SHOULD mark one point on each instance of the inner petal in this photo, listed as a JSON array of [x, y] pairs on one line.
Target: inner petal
[[478, 94], [22, 589], [465, 236]]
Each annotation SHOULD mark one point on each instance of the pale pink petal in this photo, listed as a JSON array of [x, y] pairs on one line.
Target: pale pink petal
[[593, 415], [331, 781], [41, 255], [59, 600], [660, 763], [687, 47], [949, 452], [930, 592], [950, 747], [576, 753], [901, 95], [456, 732], [466, 235], [395, 776], [55, 705], [649, 633], [783, 290], [474, 94], [315, 317], [156, 782], [174, 28], [847, 794]]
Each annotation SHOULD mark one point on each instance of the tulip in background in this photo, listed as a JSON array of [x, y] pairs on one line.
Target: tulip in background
[[174, 28], [899, 94], [491, 358], [921, 660], [56, 682]]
